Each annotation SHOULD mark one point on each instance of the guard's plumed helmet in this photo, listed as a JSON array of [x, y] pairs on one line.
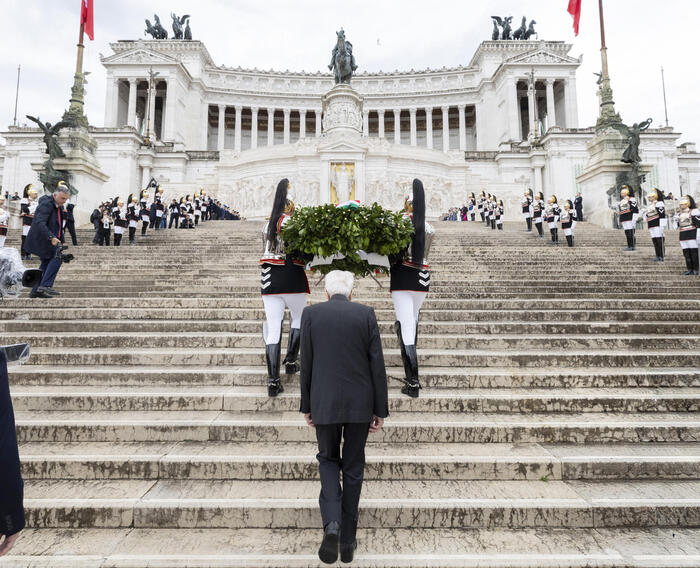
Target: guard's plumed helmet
[[120, 202], [568, 205], [687, 202], [528, 192], [144, 194], [626, 191], [656, 195], [27, 189], [539, 195], [552, 199], [279, 206]]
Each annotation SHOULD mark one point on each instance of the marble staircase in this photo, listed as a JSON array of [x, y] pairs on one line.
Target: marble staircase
[[559, 425]]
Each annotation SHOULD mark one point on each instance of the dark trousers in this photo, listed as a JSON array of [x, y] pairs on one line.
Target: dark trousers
[[579, 214], [103, 237], [49, 266], [96, 238], [173, 219], [117, 239], [70, 227], [132, 234], [144, 227], [341, 504]]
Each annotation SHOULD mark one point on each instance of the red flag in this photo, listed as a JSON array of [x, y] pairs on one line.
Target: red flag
[[575, 11], [86, 18]]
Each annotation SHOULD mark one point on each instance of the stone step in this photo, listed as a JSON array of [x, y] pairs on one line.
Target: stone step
[[385, 461], [137, 426], [251, 399], [625, 357], [384, 504], [647, 328], [216, 340], [431, 377], [377, 548]]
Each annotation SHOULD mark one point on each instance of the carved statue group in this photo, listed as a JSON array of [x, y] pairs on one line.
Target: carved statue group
[[51, 176], [524, 32], [157, 31]]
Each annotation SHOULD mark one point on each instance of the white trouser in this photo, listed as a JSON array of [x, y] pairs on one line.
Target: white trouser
[[656, 232], [552, 225], [274, 314], [689, 244], [407, 306], [527, 215], [2, 240], [25, 230], [627, 225], [569, 232]]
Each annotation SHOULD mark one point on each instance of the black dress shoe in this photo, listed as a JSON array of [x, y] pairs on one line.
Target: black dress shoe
[[40, 294], [328, 553], [52, 292], [347, 552]]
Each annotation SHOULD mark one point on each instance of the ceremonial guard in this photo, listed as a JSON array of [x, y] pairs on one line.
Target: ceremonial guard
[[629, 211], [568, 222], [655, 216], [160, 207], [190, 212], [481, 205], [174, 214], [4, 220], [28, 205], [205, 205], [120, 222], [551, 217], [410, 283], [537, 211], [527, 208], [493, 205], [500, 210], [144, 211], [472, 206], [197, 209], [132, 216], [688, 224], [283, 283], [184, 221]]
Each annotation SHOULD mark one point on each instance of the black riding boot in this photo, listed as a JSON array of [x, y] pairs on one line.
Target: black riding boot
[[25, 254], [272, 357], [291, 363], [658, 249], [412, 384], [540, 232], [556, 236], [551, 232], [493, 224], [570, 240], [694, 261], [117, 239], [406, 368], [529, 224], [688, 262]]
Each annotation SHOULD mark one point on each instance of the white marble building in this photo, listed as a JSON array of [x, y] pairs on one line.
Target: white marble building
[[505, 121]]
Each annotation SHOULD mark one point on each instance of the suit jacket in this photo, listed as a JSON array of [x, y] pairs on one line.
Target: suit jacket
[[11, 484], [343, 379], [44, 226]]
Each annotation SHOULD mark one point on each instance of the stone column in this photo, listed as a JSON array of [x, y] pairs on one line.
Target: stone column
[[254, 128], [429, 128], [531, 101], [414, 134], [462, 128], [318, 123], [397, 126], [551, 111], [380, 112], [302, 124], [222, 128], [205, 135], [287, 112], [133, 86], [513, 109], [571, 105], [237, 131], [169, 119], [113, 120], [152, 112], [270, 126], [538, 179], [365, 123], [445, 129]]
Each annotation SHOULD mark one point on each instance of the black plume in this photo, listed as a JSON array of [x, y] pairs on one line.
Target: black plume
[[278, 206], [418, 244]]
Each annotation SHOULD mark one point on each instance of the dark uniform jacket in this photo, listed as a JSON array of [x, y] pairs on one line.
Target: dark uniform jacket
[[343, 379], [44, 227], [11, 484]]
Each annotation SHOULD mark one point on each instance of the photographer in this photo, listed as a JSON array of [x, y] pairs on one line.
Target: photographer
[[45, 238]]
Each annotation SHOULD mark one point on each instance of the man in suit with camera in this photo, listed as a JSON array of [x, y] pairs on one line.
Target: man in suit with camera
[[45, 238], [344, 397]]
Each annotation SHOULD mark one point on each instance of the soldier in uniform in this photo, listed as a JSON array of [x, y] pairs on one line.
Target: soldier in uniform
[[144, 211], [527, 209], [472, 206], [205, 205], [481, 204], [537, 211], [629, 211], [688, 224], [410, 283], [568, 221], [28, 205], [551, 217], [283, 284], [655, 216], [160, 208], [197, 209], [500, 210], [493, 205], [120, 221], [132, 215]]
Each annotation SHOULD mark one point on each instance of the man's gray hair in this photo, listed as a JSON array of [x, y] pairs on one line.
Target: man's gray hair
[[339, 282], [62, 189]]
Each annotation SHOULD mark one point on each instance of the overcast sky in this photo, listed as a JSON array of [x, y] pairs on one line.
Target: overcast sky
[[642, 36]]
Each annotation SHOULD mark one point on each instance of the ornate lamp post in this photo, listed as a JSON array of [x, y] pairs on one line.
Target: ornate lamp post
[[607, 116]]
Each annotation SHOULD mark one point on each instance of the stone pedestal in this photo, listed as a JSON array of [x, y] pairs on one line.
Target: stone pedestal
[[600, 175], [85, 172]]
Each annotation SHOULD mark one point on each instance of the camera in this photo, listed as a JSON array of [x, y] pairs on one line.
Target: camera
[[59, 255]]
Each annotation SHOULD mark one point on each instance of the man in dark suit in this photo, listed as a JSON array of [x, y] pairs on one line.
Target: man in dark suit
[[578, 205], [45, 237], [343, 396], [11, 484]]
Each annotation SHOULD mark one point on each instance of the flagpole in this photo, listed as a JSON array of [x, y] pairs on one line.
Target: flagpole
[[663, 85], [14, 121], [607, 116], [75, 114]]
